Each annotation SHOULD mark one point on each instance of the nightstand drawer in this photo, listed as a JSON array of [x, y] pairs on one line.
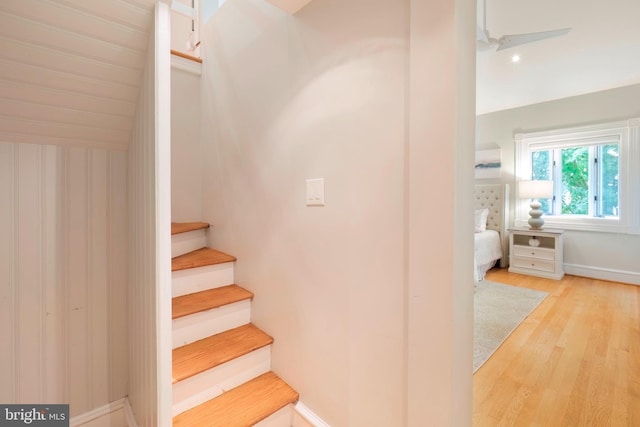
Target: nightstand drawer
[[533, 252], [533, 263]]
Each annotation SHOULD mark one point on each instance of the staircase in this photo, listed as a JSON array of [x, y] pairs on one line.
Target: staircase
[[221, 361]]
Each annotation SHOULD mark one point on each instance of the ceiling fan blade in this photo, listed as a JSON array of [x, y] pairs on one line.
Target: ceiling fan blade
[[508, 41]]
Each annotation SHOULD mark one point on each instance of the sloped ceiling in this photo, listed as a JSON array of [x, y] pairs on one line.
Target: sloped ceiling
[[601, 52], [70, 70]]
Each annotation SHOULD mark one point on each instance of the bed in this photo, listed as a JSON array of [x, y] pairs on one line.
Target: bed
[[491, 217]]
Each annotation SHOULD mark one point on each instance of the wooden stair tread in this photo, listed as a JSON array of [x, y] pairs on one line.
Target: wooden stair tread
[[186, 56], [200, 258], [184, 227], [207, 353], [207, 300], [242, 406]]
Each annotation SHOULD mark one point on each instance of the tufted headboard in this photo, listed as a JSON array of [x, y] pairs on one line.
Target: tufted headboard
[[496, 198]]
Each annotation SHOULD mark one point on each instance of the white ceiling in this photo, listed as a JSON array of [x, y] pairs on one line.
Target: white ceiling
[[602, 51], [70, 70]]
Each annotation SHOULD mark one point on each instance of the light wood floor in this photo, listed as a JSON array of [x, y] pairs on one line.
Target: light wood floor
[[575, 361]]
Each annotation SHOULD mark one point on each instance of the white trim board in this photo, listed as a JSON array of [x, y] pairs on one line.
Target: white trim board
[[308, 416], [621, 276], [101, 412]]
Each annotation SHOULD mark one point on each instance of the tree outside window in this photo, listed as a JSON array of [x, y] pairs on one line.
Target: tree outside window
[[585, 177]]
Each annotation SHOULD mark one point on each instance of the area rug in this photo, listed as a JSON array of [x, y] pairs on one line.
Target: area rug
[[498, 310]]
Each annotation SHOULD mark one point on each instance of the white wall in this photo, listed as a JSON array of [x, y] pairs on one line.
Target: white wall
[[149, 190], [186, 151], [326, 93], [594, 254], [291, 102], [439, 203], [63, 275]]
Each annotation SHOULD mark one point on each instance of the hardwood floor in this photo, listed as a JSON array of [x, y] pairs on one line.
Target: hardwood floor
[[575, 361]]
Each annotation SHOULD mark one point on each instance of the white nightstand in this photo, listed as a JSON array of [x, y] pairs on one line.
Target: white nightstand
[[544, 260]]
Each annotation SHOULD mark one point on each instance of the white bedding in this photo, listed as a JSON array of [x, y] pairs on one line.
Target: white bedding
[[488, 249]]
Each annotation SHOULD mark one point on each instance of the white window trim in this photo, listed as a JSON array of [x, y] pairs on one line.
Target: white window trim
[[628, 132]]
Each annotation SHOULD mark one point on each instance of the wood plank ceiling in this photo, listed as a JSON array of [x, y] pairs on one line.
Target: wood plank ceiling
[[70, 70]]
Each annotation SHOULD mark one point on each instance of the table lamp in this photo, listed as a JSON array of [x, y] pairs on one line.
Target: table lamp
[[535, 190]]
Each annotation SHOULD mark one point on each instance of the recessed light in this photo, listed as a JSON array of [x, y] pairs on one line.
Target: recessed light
[[515, 58]]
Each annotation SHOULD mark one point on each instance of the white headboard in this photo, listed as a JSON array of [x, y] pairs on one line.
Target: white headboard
[[495, 197]]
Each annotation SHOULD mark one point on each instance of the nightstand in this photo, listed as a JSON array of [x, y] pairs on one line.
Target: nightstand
[[542, 259]]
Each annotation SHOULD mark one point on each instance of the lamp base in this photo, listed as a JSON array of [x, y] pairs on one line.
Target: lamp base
[[535, 220]]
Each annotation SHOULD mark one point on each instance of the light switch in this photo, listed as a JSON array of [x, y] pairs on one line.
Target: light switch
[[315, 192]]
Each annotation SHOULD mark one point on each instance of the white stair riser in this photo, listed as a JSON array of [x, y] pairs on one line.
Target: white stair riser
[[204, 324], [210, 384], [280, 418], [199, 279], [187, 242]]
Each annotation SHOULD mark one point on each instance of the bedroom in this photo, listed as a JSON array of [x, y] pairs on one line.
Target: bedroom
[[609, 256], [588, 76], [587, 253]]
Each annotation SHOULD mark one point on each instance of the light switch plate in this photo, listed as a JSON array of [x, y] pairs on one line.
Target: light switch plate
[[315, 192]]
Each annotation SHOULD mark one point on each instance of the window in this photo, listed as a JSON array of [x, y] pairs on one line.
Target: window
[[585, 179], [595, 174]]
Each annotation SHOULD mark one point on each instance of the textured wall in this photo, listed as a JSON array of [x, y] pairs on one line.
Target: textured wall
[[63, 275], [150, 236]]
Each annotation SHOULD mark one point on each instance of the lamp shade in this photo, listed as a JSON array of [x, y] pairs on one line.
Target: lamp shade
[[535, 189]]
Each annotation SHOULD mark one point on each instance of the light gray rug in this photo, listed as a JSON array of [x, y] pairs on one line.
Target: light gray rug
[[498, 310]]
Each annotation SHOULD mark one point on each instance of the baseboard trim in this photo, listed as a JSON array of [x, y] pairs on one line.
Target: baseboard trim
[[96, 413], [104, 411], [308, 415], [622, 276], [123, 404]]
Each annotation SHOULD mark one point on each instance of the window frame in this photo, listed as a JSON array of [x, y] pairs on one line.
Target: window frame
[[627, 134], [595, 171]]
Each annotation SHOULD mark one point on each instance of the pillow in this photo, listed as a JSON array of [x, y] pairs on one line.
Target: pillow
[[480, 220]]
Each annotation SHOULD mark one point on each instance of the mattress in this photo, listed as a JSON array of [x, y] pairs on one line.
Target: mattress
[[487, 250]]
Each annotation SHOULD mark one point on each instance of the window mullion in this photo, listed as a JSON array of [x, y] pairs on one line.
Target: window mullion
[[593, 181], [557, 182]]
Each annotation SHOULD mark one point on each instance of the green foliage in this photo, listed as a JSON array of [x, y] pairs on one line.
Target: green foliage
[[575, 180], [574, 170], [609, 187], [541, 161]]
